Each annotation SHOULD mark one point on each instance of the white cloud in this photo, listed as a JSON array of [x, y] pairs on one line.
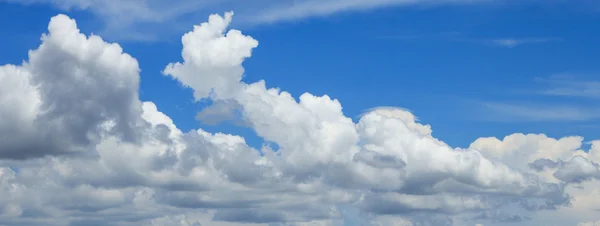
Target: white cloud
[[82, 149], [562, 159], [68, 89], [518, 150], [568, 162]]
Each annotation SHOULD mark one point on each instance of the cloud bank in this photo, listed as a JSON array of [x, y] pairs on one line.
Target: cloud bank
[[78, 147]]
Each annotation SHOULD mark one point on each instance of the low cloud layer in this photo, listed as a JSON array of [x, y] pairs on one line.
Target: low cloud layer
[[79, 148]]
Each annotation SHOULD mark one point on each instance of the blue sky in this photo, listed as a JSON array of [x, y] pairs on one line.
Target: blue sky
[[442, 63], [470, 70]]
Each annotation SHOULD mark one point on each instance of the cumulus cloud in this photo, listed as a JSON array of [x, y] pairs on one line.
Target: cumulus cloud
[[518, 150], [543, 154], [71, 87], [80, 148]]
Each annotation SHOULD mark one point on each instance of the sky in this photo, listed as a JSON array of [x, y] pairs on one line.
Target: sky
[[331, 112]]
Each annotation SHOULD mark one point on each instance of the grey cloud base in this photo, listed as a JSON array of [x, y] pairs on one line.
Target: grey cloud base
[[78, 147]]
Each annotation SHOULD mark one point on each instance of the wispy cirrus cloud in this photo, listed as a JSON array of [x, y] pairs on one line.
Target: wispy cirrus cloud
[[566, 97], [514, 42], [300, 9], [455, 36], [174, 17], [569, 85], [536, 112]]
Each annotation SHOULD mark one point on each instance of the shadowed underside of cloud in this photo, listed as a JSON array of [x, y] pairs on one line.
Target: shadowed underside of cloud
[[80, 148], [576, 170]]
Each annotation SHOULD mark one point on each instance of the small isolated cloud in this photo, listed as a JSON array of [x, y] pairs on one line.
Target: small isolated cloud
[[513, 42]]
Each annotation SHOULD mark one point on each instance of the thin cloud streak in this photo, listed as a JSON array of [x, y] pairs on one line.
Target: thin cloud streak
[[310, 8], [153, 19], [455, 36], [528, 112], [569, 86], [514, 42], [566, 99]]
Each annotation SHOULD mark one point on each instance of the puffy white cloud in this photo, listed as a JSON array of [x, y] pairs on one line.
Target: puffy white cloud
[[80, 148], [319, 140], [62, 97], [594, 152], [213, 60], [78, 95], [561, 160], [386, 150], [519, 149]]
